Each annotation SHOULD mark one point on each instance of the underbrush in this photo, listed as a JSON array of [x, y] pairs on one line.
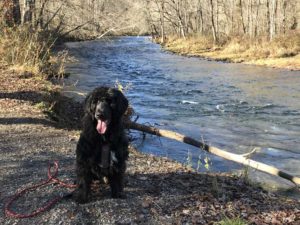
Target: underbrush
[[24, 49], [192, 44], [282, 46], [238, 48]]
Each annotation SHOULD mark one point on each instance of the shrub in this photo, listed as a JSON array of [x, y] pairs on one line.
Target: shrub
[[24, 48], [282, 46]]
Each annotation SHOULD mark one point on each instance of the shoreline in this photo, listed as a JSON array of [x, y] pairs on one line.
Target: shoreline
[[285, 63], [252, 63], [39, 125], [267, 63], [190, 49]]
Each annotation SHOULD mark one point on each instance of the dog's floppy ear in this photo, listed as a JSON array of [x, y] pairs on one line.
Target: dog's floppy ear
[[89, 103], [119, 101]]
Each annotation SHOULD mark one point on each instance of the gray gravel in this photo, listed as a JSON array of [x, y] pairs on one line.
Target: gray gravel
[[158, 190]]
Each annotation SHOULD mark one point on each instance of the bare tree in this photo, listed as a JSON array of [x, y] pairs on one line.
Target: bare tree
[[11, 12], [213, 23], [28, 11], [216, 18], [272, 8]]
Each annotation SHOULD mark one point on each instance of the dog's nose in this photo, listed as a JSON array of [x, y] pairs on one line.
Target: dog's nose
[[100, 116]]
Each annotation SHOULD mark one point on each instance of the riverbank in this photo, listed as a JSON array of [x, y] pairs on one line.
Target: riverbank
[[281, 53], [38, 126]]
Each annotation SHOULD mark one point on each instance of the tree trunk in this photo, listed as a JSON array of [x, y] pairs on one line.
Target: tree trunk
[[16, 12], [250, 18], [23, 11], [275, 17], [200, 17], [162, 22], [213, 24], [242, 159], [256, 19], [242, 16], [272, 7], [284, 16], [12, 14], [180, 20], [40, 18]]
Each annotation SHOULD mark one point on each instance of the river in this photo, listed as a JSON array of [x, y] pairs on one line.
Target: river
[[232, 106]]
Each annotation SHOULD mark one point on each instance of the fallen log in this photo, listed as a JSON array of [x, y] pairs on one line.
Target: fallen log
[[242, 159]]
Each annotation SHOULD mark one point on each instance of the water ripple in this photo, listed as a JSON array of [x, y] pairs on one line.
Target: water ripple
[[229, 105]]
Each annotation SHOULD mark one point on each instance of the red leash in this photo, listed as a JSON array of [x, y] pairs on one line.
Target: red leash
[[51, 179]]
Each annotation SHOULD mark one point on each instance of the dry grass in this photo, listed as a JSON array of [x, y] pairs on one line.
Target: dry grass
[[261, 48], [291, 63], [191, 45], [26, 50], [282, 52]]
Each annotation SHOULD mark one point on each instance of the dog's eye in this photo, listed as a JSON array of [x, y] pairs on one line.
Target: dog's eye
[[108, 100], [101, 100]]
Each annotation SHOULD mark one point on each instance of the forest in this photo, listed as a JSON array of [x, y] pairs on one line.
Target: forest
[[77, 18], [218, 18], [227, 30], [223, 19]]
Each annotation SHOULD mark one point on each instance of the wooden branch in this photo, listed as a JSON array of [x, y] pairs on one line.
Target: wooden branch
[[53, 16], [41, 14], [216, 151], [249, 154], [106, 32], [114, 29], [74, 29]]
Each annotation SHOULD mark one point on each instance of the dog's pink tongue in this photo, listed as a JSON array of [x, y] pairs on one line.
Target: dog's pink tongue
[[101, 127]]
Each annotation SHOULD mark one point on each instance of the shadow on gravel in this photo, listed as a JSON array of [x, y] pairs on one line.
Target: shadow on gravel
[[32, 96], [63, 111], [189, 197], [26, 120], [180, 197]]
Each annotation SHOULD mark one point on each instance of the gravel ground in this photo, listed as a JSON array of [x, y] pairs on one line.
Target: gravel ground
[[158, 190]]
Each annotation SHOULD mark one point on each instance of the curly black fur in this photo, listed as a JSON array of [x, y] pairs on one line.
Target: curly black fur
[[102, 153]]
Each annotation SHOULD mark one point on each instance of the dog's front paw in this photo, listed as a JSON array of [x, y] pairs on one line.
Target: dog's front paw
[[120, 195], [80, 197]]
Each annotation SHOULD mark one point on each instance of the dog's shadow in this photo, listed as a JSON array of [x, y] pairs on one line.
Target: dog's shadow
[[159, 185], [184, 183]]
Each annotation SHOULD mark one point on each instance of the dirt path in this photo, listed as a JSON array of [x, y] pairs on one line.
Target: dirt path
[[159, 191]]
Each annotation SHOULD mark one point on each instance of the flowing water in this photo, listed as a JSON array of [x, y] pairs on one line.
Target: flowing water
[[232, 106]]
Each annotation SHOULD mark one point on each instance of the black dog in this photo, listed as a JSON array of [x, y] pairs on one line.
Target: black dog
[[102, 149]]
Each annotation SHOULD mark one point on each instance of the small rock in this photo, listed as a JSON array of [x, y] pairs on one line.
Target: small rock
[[141, 217], [186, 211], [145, 211], [143, 178], [146, 203]]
